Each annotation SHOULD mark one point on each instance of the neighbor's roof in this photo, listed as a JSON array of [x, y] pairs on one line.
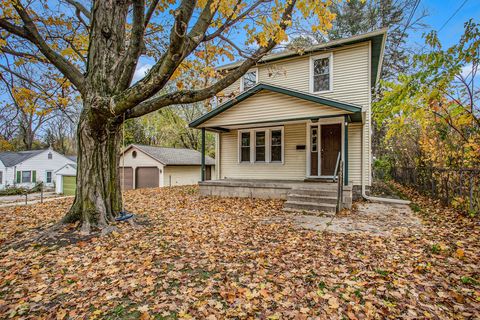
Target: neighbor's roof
[[354, 111], [174, 156], [9, 159], [73, 165], [377, 38], [73, 158]]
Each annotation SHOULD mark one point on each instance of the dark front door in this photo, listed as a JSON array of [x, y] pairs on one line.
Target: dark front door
[[314, 151], [331, 136]]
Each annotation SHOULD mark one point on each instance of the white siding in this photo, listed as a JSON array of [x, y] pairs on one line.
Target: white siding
[[41, 164], [294, 160], [181, 175], [270, 106], [351, 83]]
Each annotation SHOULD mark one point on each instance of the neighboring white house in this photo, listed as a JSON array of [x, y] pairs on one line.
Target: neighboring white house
[[26, 168], [150, 167]]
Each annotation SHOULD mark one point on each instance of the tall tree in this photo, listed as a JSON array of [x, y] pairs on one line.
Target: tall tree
[[101, 66]]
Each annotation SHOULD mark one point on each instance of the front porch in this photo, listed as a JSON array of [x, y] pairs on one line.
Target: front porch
[[301, 195]]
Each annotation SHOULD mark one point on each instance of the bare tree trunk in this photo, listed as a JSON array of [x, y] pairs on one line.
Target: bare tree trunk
[[98, 199]]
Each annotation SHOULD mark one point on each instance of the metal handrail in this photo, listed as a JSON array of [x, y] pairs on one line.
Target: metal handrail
[[336, 166], [339, 205]]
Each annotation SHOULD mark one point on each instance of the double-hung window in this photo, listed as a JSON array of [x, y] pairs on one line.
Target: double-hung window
[[26, 176], [261, 145], [321, 73], [49, 177], [249, 80], [245, 146]]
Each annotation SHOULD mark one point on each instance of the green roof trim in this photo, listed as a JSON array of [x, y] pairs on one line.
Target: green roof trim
[[354, 109]]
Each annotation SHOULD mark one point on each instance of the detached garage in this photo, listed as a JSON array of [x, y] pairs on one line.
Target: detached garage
[[151, 167], [66, 180]]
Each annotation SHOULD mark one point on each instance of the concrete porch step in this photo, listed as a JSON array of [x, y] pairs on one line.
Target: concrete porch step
[[310, 212], [311, 198], [315, 192], [309, 206]]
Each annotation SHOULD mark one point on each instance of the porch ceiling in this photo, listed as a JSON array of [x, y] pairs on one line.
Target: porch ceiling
[[352, 112]]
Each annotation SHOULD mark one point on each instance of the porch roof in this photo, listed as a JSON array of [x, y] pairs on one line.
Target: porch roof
[[354, 111]]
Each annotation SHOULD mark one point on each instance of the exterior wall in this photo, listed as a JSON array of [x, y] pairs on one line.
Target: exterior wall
[[39, 163], [4, 175], [270, 106], [293, 166], [141, 160], [181, 175], [351, 83]]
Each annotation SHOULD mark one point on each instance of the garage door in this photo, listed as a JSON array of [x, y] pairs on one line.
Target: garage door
[[146, 177], [69, 185], [127, 180]]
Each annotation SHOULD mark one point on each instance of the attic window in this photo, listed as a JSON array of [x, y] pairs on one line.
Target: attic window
[[50, 156], [249, 80], [134, 154], [321, 73]]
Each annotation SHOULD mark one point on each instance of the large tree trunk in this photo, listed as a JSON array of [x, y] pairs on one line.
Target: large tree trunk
[[98, 198]]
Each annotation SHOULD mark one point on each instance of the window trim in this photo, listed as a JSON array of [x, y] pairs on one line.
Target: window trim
[[330, 70], [256, 78], [268, 144]]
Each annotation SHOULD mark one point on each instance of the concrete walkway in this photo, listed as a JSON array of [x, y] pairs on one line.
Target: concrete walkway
[[380, 219]]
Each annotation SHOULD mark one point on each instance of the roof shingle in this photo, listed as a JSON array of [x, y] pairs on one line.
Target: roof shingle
[[9, 159], [174, 156]]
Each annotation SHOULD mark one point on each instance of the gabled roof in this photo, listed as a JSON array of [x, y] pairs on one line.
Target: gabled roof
[[173, 156], [355, 110], [73, 165], [9, 159], [377, 38]]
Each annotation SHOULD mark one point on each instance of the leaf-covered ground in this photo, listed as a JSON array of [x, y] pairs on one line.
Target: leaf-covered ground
[[210, 258]]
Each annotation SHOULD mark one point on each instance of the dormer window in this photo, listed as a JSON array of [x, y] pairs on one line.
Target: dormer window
[[321, 73], [249, 80]]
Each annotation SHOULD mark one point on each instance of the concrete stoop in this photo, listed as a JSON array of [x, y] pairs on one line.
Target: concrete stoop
[[322, 199]]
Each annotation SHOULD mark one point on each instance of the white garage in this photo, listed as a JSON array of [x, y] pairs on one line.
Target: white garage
[[150, 167]]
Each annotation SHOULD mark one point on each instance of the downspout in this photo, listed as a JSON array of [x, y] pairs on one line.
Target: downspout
[[364, 195]]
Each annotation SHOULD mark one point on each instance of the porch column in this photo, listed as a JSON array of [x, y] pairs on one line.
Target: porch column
[[203, 155], [345, 172]]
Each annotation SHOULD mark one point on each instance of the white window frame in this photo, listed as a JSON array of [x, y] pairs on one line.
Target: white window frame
[[21, 176], [256, 78], [330, 70], [268, 144], [46, 176], [240, 146]]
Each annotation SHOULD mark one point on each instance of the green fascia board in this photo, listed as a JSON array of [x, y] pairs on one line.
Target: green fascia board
[[263, 86]]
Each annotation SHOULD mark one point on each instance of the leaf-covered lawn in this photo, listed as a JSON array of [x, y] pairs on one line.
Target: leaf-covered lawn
[[195, 257]]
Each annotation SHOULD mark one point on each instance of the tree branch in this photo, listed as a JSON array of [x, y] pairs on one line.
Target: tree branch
[[190, 96], [31, 33], [80, 7]]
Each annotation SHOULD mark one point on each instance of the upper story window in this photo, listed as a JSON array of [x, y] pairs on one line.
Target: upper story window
[[249, 80], [321, 73], [50, 155]]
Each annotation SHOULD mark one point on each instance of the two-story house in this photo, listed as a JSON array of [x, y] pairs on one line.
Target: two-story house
[[294, 118]]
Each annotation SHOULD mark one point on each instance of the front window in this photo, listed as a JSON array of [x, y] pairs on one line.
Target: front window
[[49, 176], [245, 146], [276, 146], [249, 80], [26, 176], [321, 74], [260, 146]]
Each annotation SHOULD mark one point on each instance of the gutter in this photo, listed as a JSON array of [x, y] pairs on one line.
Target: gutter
[[364, 195]]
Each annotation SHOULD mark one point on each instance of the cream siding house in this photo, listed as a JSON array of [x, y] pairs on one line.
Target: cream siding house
[[297, 116]]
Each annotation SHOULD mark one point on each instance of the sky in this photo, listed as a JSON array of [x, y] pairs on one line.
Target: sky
[[439, 11]]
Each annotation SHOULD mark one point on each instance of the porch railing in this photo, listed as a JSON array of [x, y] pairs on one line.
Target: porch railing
[[336, 166], [340, 189]]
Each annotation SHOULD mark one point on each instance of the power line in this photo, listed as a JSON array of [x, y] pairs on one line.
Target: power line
[[453, 15]]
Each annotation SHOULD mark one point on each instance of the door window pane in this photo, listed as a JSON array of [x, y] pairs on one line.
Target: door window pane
[[321, 74], [314, 139], [245, 152], [260, 146], [26, 176], [276, 145]]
